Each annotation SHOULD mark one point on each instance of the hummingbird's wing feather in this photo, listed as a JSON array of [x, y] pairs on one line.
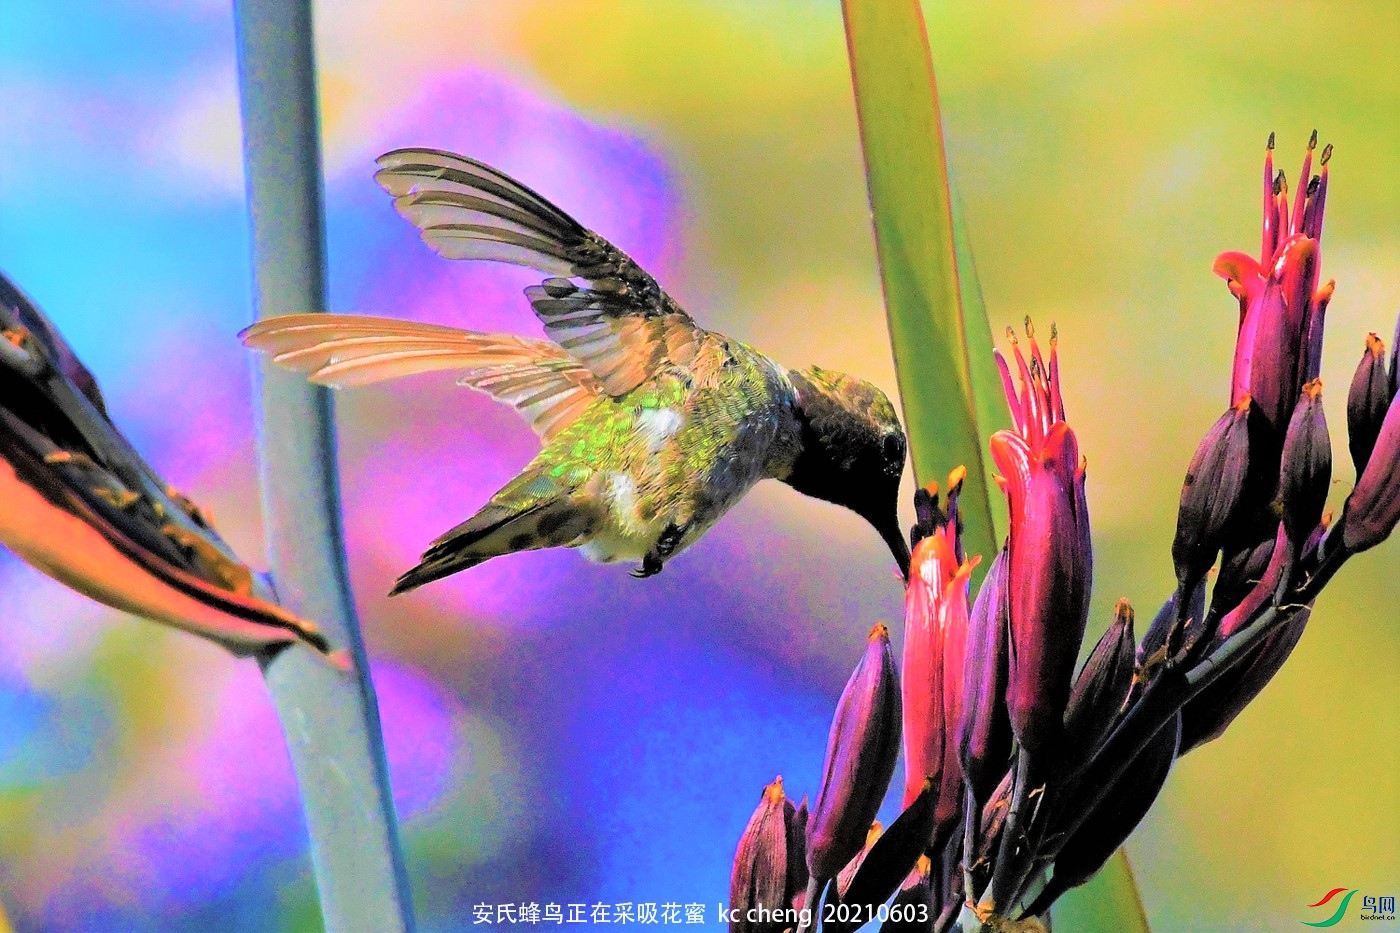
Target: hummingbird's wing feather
[[547, 385], [78, 502], [618, 322]]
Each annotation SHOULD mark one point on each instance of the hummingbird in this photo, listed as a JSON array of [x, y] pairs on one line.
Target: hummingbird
[[81, 505], [651, 426]]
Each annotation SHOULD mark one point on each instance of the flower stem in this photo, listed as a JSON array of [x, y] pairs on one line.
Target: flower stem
[[330, 716], [1012, 861]]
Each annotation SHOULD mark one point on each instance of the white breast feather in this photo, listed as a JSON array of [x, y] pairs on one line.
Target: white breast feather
[[659, 425]]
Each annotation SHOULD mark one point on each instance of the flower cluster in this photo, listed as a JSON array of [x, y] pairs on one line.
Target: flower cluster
[[1021, 776]]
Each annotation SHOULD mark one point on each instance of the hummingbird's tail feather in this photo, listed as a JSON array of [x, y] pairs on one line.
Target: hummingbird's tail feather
[[500, 529], [542, 380]]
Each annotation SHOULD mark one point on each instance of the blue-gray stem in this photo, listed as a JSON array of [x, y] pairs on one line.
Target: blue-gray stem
[[330, 717]]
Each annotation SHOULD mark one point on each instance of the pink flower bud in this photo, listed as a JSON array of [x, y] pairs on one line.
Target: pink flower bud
[[1050, 556], [935, 637], [1279, 346]]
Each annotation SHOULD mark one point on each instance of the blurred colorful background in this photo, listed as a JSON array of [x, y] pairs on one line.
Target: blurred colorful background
[[558, 731]]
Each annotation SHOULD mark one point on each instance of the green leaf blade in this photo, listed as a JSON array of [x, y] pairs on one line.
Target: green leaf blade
[[906, 171], [1107, 901], [942, 344]]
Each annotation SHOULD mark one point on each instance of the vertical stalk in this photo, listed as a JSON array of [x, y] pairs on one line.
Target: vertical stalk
[[330, 716]]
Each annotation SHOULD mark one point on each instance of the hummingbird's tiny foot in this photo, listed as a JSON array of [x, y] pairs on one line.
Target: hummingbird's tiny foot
[[651, 566], [668, 542]]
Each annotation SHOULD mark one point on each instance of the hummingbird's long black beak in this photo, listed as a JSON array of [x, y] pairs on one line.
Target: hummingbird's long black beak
[[893, 533]]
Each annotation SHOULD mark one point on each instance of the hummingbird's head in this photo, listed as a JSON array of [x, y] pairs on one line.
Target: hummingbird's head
[[853, 451]]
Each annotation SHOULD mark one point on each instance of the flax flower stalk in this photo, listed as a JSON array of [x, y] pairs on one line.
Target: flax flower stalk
[[330, 717]]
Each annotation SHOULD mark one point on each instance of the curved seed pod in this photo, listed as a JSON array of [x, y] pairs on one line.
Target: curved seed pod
[[1210, 712], [80, 504], [1213, 492], [1150, 653], [1306, 471], [1367, 401], [888, 860], [763, 878], [1114, 818], [984, 731], [1102, 686], [860, 757], [847, 874], [914, 903], [1240, 570], [1373, 508]]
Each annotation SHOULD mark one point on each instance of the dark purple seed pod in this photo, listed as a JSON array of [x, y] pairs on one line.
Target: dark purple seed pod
[[912, 910], [1373, 508], [860, 757], [847, 874], [768, 870], [889, 858], [797, 852], [1367, 401], [1213, 492], [1306, 471], [1156, 636], [984, 731], [1240, 569], [1210, 712], [1102, 686], [1115, 817], [1394, 381]]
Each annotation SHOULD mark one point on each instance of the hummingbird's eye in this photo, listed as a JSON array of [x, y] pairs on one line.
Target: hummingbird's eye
[[894, 447]]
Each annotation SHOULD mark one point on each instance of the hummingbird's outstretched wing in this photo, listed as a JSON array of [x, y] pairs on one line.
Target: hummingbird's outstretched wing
[[543, 381], [618, 323], [78, 502]]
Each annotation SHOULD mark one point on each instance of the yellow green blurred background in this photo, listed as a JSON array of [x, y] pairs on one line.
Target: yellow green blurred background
[[1104, 153]]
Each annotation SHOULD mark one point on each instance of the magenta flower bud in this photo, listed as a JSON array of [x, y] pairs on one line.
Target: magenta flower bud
[[1114, 818], [1367, 402], [769, 866], [1103, 684], [1212, 495], [1279, 346], [860, 758], [1373, 508], [1210, 712], [984, 732], [1050, 557], [1306, 472], [935, 638]]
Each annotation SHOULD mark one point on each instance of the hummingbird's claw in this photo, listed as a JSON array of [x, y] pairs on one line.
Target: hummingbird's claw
[[651, 566]]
